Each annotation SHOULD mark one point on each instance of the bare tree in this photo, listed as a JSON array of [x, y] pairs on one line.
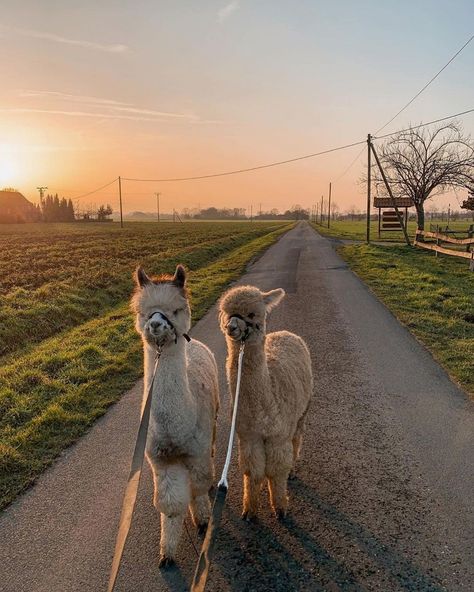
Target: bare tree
[[421, 163]]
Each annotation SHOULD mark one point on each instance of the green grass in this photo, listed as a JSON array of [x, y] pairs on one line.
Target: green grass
[[53, 391], [53, 277], [356, 230], [433, 297]]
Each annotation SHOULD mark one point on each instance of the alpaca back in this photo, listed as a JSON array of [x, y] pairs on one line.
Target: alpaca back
[[289, 367]]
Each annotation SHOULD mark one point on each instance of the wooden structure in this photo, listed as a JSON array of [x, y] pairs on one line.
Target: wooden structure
[[388, 219]]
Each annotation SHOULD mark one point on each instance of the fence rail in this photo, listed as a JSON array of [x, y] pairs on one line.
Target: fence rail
[[440, 237]]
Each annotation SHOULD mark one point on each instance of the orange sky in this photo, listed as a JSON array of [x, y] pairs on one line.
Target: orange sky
[[171, 90]]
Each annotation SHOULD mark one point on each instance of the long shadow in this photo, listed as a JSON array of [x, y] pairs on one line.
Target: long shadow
[[396, 566], [254, 557]]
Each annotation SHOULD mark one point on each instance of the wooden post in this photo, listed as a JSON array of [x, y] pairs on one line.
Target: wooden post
[[158, 205], [369, 183], [329, 205], [392, 199], [380, 215], [120, 199]]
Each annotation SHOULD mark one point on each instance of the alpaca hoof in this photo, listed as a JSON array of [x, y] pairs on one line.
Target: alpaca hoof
[[166, 562], [249, 517], [280, 514], [202, 528]]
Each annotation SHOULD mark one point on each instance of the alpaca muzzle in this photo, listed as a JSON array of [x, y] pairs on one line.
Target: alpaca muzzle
[[161, 330], [238, 328]]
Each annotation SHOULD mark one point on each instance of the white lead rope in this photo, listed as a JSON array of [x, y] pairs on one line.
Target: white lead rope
[[225, 470], [204, 562]]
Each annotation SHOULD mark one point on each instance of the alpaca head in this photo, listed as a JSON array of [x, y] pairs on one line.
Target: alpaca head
[[161, 307], [243, 311]]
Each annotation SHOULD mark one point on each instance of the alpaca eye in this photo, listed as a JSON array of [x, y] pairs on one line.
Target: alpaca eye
[[251, 315], [176, 312]]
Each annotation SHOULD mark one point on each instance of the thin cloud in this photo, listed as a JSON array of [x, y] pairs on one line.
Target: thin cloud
[[51, 94], [225, 12], [113, 107], [110, 48], [160, 117]]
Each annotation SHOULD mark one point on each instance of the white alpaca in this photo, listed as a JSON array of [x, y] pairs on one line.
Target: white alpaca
[[185, 400], [275, 392]]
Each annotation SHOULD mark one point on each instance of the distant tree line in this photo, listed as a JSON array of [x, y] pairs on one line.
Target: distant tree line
[[295, 213], [54, 209]]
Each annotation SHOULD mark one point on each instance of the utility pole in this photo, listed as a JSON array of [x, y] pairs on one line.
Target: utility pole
[[41, 192], [260, 210], [158, 205], [329, 205], [369, 182], [251, 213], [322, 203], [120, 200]]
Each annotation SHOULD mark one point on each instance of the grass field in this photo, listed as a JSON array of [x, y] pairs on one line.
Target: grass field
[[69, 349], [433, 297], [356, 230]]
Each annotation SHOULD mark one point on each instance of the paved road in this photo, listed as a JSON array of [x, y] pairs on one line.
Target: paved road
[[384, 494]]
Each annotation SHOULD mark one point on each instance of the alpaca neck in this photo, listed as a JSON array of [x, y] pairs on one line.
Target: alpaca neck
[[254, 366], [173, 412]]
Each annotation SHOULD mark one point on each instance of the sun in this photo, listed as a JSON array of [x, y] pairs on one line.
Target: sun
[[9, 167]]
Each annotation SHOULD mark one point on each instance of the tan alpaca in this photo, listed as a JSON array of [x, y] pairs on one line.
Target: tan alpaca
[[185, 400], [275, 392]]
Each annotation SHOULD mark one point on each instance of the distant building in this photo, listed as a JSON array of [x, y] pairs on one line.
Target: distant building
[[15, 208]]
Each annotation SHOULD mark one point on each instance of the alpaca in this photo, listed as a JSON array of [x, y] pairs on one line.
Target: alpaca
[[275, 391], [185, 401]]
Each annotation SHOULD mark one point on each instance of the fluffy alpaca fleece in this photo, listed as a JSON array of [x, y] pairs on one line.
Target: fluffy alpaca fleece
[[276, 387], [185, 400]]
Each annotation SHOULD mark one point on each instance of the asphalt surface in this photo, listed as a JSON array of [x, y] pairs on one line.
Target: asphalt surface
[[384, 496]]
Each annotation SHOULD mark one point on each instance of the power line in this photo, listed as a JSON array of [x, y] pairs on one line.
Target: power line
[[426, 85], [414, 127], [408, 104], [95, 190], [248, 170]]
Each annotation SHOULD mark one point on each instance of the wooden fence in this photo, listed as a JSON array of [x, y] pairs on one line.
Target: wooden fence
[[444, 238]]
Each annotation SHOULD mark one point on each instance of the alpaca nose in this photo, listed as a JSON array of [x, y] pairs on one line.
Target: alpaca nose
[[155, 325], [233, 326]]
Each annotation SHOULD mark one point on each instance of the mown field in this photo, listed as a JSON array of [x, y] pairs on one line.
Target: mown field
[[356, 229], [67, 344], [432, 296]]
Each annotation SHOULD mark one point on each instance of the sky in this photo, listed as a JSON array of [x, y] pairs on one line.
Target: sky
[[159, 89]]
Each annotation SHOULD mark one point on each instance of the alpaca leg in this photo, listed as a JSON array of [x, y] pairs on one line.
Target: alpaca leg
[[279, 457], [252, 463], [172, 497], [297, 442], [200, 511], [201, 472], [171, 527]]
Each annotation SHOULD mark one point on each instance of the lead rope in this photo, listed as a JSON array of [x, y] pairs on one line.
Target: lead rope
[[204, 562], [130, 495]]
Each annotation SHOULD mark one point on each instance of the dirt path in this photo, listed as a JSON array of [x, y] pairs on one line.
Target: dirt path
[[384, 496]]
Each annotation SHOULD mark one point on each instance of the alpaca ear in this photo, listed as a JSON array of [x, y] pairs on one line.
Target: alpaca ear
[[273, 298], [141, 277], [179, 278]]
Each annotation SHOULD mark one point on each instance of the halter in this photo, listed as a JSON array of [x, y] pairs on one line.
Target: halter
[[170, 324], [248, 324]]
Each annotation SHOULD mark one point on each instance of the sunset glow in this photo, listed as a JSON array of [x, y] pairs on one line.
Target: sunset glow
[[194, 91]]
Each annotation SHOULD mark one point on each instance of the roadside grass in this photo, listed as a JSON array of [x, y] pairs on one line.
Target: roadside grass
[[52, 394], [433, 297], [52, 279], [356, 229]]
